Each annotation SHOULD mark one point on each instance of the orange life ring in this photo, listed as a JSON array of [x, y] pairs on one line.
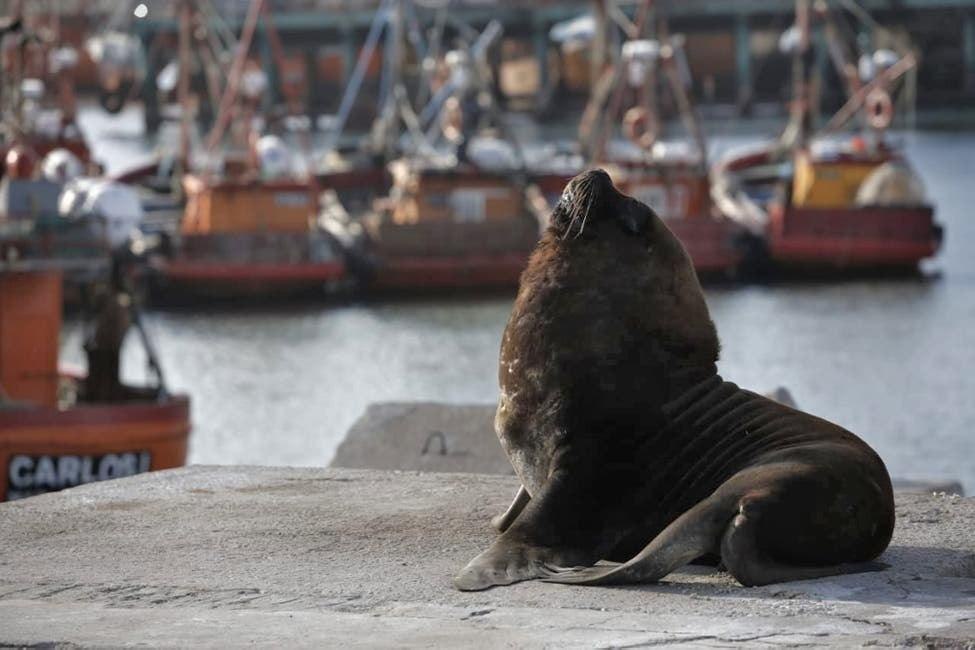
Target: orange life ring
[[636, 127], [880, 110]]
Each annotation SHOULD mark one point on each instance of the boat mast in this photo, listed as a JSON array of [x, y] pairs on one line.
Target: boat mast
[[797, 132], [387, 130], [601, 83], [183, 92], [671, 55], [229, 98], [646, 20], [12, 90], [599, 45]]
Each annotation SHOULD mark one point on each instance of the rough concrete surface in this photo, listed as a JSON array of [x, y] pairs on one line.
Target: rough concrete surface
[[275, 557], [435, 437]]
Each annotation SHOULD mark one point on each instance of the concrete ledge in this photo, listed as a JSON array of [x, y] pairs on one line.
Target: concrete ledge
[[226, 556], [424, 436]]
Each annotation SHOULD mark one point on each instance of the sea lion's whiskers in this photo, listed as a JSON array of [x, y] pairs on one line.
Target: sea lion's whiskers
[[585, 217], [583, 198], [582, 226]]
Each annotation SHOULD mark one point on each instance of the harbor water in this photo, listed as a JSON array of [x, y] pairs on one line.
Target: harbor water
[[892, 360]]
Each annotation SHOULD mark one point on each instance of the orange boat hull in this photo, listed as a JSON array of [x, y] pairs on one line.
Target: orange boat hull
[[45, 449]]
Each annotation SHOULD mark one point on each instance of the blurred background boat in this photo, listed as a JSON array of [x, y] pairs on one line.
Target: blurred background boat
[[248, 222], [634, 82], [459, 214], [826, 201], [61, 426], [460, 227], [37, 98]]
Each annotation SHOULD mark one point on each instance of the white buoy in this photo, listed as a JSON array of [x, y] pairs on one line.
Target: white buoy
[[61, 166], [274, 157]]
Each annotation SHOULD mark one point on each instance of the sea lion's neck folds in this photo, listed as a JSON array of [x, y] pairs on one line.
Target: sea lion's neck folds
[[711, 431]]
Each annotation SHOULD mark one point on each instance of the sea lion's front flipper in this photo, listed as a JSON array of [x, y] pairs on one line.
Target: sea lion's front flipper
[[503, 521], [537, 537], [695, 533]]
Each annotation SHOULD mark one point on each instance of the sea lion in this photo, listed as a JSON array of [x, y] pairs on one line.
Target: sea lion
[[631, 447]]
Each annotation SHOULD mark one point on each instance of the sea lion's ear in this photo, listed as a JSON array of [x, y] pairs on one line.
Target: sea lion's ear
[[635, 217]]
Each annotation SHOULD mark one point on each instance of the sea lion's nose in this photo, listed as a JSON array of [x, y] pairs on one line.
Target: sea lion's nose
[[596, 188], [599, 182]]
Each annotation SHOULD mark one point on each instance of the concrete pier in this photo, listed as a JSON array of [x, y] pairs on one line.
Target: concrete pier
[[275, 557]]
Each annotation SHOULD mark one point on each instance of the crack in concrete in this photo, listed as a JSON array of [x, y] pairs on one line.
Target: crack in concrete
[[173, 595], [679, 640], [893, 582]]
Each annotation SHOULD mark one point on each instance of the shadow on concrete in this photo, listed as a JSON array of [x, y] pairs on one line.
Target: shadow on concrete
[[917, 576]]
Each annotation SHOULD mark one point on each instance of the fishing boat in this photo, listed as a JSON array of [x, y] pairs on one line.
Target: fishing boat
[[459, 214], [49, 210], [60, 426], [442, 227], [668, 174], [34, 119], [244, 236], [829, 201], [248, 227]]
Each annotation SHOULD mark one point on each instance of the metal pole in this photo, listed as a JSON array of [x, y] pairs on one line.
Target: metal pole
[[968, 49], [352, 88], [598, 47], [229, 97], [273, 39], [185, 16], [743, 61]]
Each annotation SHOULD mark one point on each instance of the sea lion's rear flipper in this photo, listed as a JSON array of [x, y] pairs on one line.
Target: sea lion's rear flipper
[[503, 521], [752, 567], [692, 535]]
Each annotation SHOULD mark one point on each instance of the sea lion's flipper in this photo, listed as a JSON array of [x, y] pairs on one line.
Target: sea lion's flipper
[[746, 561], [692, 535], [503, 521], [537, 537]]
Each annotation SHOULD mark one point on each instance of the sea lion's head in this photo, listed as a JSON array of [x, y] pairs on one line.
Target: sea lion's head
[[590, 202], [609, 264]]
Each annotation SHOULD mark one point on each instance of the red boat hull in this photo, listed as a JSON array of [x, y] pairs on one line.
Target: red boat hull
[[715, 246], [44, 449], [224, 278], [252, 264], [868, 237], [468, 272]]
